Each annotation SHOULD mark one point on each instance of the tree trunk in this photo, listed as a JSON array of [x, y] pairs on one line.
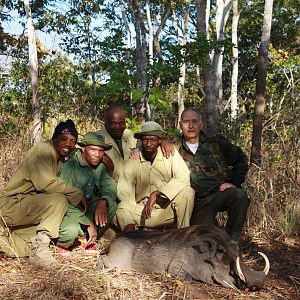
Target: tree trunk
[[182, 42], [143, 107], [223, 8], [235, 60], [162, 24], [33, 69], [255, 158], [207, 73], [150, 28]]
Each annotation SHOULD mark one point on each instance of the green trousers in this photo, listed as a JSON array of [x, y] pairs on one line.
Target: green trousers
[[72, 227], [24, 215], [233, 200]]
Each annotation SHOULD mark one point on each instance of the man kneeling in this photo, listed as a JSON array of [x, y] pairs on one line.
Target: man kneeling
[[154, 191]]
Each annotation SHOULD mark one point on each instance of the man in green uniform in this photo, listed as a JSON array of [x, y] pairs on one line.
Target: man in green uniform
[[153, 190], [218, 168], [122, 140], [33, 203], [86, 171]]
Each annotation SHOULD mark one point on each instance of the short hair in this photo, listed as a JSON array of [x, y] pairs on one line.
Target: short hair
[[191, 109], [114, 107]]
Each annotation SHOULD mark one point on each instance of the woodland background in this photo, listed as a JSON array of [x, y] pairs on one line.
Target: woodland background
[[238, 62]]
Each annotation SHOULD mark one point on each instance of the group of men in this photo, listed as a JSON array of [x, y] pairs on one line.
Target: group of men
[[72, 201]]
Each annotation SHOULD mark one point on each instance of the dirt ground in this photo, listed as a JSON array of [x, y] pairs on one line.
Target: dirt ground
[[79, 278]]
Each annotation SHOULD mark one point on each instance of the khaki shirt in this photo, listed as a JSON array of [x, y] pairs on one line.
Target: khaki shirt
[[128, 142], [139, 178], [38, 174]]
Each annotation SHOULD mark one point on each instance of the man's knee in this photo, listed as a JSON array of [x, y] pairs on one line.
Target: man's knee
[[185, 197], [70, 232], [241, 198]]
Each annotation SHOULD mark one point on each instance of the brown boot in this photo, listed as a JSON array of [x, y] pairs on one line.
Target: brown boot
[[40, 253]]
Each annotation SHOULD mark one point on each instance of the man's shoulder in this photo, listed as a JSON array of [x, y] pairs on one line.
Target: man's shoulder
[[41, 148], [128, 134]]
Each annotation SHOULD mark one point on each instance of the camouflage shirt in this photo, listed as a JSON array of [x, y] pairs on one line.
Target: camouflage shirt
[[216, 161]]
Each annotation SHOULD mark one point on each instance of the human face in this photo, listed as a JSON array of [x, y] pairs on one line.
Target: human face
[[150, 143], [64, 144], [92, 155], [115, 123], [191, 125]]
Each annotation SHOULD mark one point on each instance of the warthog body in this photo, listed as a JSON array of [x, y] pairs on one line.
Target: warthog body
[[202, 253]]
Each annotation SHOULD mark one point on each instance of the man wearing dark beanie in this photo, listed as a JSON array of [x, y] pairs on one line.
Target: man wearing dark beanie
[[35, 199]]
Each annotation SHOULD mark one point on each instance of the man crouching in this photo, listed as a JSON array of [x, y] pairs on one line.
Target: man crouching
[[153, 190]]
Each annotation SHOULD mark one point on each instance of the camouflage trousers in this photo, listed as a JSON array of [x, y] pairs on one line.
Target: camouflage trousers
[[233, 200]]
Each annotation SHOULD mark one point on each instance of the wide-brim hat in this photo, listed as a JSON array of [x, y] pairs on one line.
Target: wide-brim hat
[[150, 128], [95, 139]]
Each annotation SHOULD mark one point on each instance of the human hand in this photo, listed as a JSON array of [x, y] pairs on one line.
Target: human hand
[[225, 186], [100, 213], [129, 227], [150, 203], [134, 154], [167, 149], [92, 234], [109, 165]]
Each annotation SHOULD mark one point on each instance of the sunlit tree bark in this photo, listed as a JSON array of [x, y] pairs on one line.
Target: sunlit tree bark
[[182, 41], [33, 68], [235, 60]]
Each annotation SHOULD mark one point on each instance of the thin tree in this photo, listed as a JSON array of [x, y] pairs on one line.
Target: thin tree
[[255, 157], [182, 42], [223, 8], [203, 12], [33, 69], [235, 60]]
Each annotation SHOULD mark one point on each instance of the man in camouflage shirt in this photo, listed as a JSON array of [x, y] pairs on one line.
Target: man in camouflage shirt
[[218, 168]]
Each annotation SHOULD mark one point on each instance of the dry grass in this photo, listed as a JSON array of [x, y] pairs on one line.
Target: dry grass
[[79, 278]]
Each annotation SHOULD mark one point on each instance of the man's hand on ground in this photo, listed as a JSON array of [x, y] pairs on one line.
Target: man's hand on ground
[[129, 227], [92, 233]]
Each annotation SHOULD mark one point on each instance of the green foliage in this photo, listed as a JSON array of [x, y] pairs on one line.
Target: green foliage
[[133, 125]]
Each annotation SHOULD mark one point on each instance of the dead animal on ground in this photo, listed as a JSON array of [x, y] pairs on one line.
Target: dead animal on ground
[[202, 253]]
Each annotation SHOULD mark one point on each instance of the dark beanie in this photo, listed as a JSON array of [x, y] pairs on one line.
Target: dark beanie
[[67, 127]]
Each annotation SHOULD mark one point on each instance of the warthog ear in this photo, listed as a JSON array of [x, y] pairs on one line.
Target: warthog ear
[[198, 249]]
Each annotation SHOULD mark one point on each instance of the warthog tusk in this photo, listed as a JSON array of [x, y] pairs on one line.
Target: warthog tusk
[[267, 267], [238, 268]]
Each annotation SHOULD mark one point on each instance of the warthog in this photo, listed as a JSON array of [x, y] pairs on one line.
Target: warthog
[[203, 253]]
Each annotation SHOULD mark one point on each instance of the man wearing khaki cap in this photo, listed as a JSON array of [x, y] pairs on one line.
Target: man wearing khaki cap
[[153, 190], [86, 171]]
